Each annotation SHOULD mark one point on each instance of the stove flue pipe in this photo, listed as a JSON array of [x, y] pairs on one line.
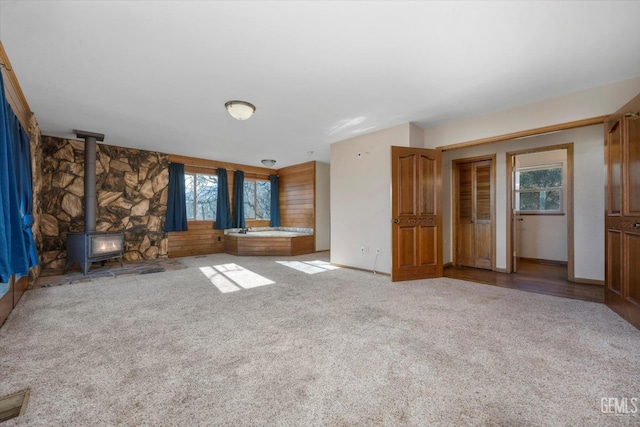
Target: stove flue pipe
[[90, 202]]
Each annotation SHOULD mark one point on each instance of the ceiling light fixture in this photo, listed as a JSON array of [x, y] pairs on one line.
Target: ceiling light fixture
[[240, 110], [268, 162]]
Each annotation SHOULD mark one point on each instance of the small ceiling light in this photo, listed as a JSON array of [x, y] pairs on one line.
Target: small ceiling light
[[240, 110], [268, 162]]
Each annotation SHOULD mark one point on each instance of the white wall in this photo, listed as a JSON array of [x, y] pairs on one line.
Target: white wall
[[361, 186], [323, 207], [581, 105], [361, 197], [589, 181]]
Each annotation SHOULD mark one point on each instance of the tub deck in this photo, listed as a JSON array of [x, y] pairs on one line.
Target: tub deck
[[269, 244]]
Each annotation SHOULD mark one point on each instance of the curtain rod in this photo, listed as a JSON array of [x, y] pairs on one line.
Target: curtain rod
[[228, 169]]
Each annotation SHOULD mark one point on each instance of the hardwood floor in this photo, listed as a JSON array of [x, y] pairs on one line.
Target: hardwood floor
[[541, 278]]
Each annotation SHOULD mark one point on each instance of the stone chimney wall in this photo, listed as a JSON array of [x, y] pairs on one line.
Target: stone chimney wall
[[131, 193], [35, 140]]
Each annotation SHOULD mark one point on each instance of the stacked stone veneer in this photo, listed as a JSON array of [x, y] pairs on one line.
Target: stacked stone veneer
[[131, 194], [35, 138]]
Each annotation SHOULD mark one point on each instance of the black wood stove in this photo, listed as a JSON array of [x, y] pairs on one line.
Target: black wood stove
[[86, 248], [91, 246]]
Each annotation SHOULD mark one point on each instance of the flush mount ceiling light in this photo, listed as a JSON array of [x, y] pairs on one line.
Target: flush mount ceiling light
[[240, 110], [268, 162]]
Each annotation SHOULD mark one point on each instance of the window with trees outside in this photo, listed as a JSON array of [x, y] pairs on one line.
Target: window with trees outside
[[257, 200], [539, 189], [201, 194]]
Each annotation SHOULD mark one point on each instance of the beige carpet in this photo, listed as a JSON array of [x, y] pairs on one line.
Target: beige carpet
[[339, 347]]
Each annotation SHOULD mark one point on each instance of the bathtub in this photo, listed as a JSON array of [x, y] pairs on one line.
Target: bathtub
[[270, 242]]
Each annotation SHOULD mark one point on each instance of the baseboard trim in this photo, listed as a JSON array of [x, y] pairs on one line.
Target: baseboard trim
[[447, 265], [381, 273], [501, 270], [588, 281], [542, 261]]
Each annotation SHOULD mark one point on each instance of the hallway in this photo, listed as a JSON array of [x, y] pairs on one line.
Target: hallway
[[532, 276]]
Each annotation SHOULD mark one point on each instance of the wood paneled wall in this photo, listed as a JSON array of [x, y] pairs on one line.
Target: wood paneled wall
[[200, 239], [297, 204], [297, 195]]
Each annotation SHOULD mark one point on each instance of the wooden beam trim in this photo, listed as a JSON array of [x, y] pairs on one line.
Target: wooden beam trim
[[525, 133], [13, 91]]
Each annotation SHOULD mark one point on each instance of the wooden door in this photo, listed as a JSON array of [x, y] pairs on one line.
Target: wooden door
[[417, 220], [622, 150], [465, 230], [517, 222], [474, 219]]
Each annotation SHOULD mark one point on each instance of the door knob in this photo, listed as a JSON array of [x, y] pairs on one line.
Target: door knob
[[636, 225], [396, 221]]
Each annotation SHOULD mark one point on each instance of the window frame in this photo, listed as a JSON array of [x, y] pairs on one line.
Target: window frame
[[257, 221], [560, 190], [195, 173]]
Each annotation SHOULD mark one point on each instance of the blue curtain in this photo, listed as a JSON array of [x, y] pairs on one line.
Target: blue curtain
[[14, 249], [275, 202], [238, 200], [22, 162], [223, 206], [176, 201]]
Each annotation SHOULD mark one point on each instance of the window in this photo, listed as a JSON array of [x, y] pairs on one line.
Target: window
[[201, 194], [539, 189], [257, 200]]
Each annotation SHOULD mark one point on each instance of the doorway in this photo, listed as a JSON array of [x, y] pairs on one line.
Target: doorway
[[474, 212], [540, 208]]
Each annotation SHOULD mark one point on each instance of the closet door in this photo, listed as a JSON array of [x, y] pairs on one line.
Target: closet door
[[465, 241], [474, 221], [482, 214], [622, 139]]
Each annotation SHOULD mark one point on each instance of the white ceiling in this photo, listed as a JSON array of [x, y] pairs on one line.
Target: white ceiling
[[155, 75]]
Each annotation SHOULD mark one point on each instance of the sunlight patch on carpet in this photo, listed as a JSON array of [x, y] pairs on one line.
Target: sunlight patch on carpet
[[309, 267], [232, 277]]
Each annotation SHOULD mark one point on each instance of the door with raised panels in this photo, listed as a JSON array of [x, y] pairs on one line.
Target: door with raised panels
[[622, 151], [417, 220]]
